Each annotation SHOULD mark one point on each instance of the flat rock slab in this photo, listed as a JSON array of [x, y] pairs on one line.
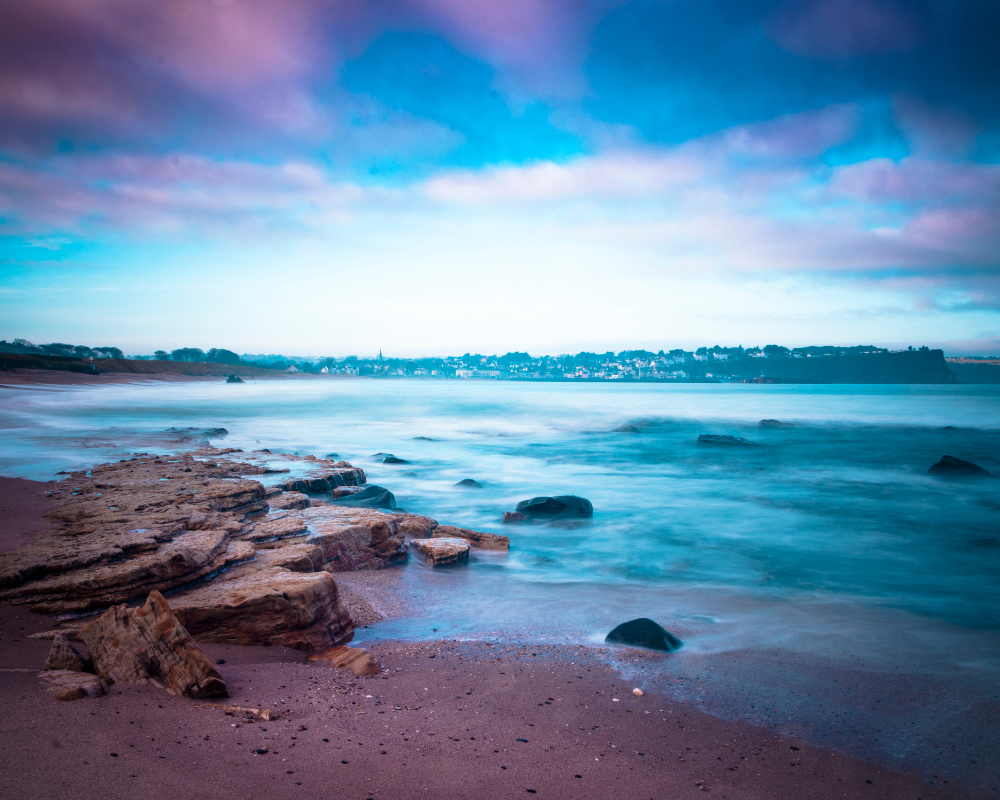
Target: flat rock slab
[[443, 552], [356, 659], [67, 684], [487, 541]]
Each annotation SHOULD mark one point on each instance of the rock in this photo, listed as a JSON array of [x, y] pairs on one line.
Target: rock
[[951, 467], [516, 518], [370, 497], [638, 692], [357, 659], [417, 527], [725, 441], [394, 460], [344, 491], [773, 423], [356, 538], [562, 507], [487, 541], [289, 500], [63, 656], [442, 552], [468, 483], [626, 429], [644, 632], [234, 379], [67, 684], [270, 529], [327, 478], [149, 644], [266, 605], [423, 439]]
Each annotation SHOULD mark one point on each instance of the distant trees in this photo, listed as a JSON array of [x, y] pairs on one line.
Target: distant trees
[[161, 355], [57, 349], [775, 351], [187, 354], [222, 356], [107, 352]]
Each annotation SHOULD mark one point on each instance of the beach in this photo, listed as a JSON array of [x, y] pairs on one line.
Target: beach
[[776, 712]]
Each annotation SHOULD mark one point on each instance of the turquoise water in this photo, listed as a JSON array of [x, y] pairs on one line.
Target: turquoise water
[[828, 547]]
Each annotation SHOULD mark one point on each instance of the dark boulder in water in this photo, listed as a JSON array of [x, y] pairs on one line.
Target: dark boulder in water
[[394, 460], [951, 467], [626, 429], [563, 507], [234, 379], [468, 483], [725, 441], [370, 497], [773, 423], [644, 632], [423, 439]]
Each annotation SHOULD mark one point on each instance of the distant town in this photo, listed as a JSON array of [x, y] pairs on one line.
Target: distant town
[[769, 364]]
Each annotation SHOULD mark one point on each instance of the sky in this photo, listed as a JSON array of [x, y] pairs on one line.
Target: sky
[[430, 177]]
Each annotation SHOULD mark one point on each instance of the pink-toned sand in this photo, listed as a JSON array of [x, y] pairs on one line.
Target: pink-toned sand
[[446, 720], [22, 506]]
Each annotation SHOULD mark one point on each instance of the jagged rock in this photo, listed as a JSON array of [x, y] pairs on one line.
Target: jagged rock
[[562, 507], [268, 529], [725, 441], [468, 483], [516, 518], [356, 538], [327, 479], [234, 379], [370, 497], [67, 685], [487, 541], [149, 644], [951, 467], [357, 659], [287, 501], [773, 423], [626, 429], [344, 491], [266, 605], [644, 632], [63, 656], [442, 552]]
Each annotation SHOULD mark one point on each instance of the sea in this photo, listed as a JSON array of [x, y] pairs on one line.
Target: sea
[[823, 583]]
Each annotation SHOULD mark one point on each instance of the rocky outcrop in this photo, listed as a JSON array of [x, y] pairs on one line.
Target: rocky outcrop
[[773, 423], [342, 474], [149, 645], [289, 501], [468, 483], [417, 527], [63, 656], [562, 507], [356, 659], [718, 440], [951, 467], [234, 379], [487, 541], [67, 685], [370, 497], [644, 632], [442, 552], [270, 605]]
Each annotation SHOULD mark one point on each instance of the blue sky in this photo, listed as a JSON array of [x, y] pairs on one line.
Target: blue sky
[[436, 176]]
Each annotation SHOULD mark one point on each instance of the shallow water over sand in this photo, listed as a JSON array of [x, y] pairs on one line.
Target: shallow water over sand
[[822, 582]]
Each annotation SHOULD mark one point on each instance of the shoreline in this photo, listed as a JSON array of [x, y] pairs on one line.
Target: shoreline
[[733, 758]]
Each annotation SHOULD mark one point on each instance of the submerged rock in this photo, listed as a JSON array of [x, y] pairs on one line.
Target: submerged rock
[[63, 656], [394, 460], [468, 483], [370, 497], [442, 552], [563, 507], [725, 441], [149, 645], [423, 439], [626, 429], [516, 518], [774, 423], [644, 632], [951, 467]]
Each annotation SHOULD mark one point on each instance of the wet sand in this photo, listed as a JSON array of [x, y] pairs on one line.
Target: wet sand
[[443, 720], [23, 505]]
